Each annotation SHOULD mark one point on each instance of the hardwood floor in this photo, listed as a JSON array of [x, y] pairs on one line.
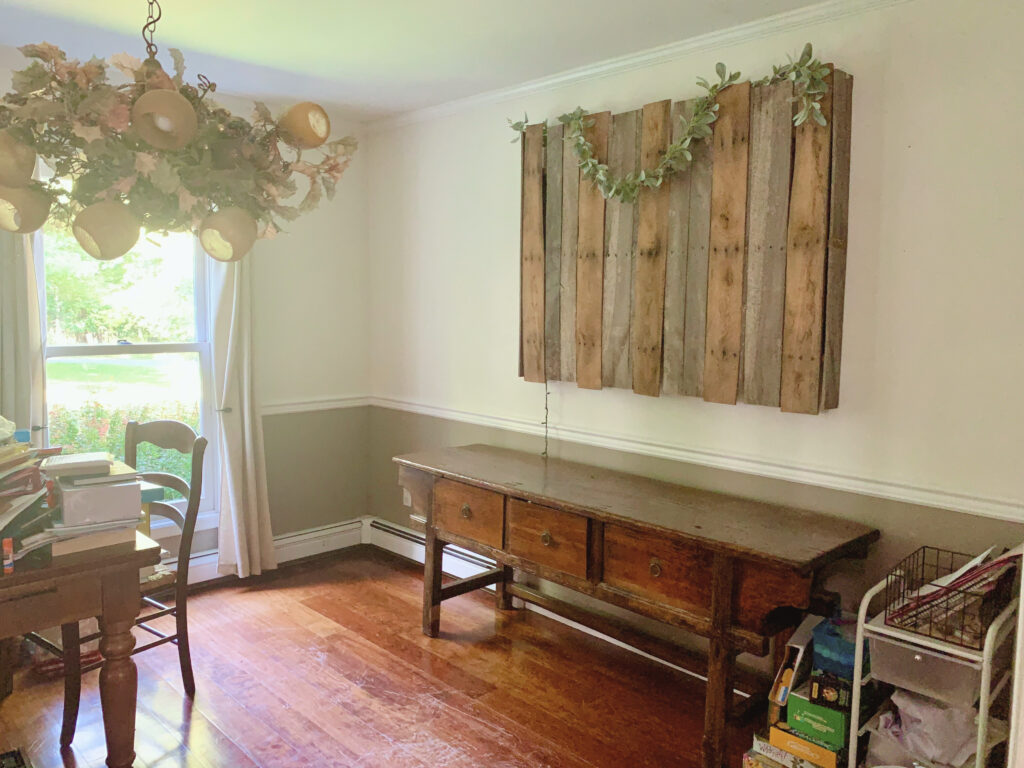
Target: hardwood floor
[[323, 664]]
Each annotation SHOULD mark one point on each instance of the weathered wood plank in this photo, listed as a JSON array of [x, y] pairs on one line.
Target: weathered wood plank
[[730, 145], [590, 263], [675, 266], [839, 206], [620, 247], [553, 253], [651, 252], [805, 264], [697, 269], [532, 266], [570, 227], [771, 146]]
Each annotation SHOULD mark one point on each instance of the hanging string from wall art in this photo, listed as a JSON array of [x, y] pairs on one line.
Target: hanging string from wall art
[[693, 247]]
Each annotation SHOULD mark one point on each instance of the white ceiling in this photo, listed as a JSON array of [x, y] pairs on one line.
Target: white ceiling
[[378, 57]]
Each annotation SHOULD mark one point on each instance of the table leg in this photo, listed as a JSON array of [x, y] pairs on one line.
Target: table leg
[[432, 584], [503, 596], [8, 654], [119, 677], [721, 663]]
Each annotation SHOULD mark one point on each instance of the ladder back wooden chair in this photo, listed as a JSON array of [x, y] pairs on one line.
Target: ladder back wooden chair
[[169, 435]]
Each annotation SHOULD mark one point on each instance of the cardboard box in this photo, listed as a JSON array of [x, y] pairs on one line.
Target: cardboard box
[[828, 727], [764, 748], [828, 690], [806, 749], [752, 759]]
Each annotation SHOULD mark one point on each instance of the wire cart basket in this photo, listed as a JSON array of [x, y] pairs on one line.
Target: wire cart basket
[[922, 595]]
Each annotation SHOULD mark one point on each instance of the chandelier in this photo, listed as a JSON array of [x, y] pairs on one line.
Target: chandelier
[[141, 148]]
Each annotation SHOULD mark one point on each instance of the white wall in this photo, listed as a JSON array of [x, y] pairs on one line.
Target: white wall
[[933, 356], [311, 299]]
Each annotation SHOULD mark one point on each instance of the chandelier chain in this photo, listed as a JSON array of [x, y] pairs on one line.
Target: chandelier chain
[[155, 13]]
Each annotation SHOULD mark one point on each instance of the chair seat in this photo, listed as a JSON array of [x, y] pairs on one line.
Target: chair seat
[[163, 577]]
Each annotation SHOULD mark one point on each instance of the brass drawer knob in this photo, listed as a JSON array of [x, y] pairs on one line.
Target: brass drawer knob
[[655, 568], [466, 511], [545, 539]]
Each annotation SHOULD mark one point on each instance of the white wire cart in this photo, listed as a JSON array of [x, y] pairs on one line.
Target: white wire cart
[[941, 670]]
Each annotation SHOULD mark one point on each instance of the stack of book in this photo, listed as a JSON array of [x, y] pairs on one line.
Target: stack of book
[[810, 703], [100, 503], [23, 507]]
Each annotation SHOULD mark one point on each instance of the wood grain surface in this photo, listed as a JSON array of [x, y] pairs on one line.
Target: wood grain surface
[[697, 269], [728, 245], [806, 243], [754, 529], [651, 252], [673, 336], [838, 232], [567, 286], [771, 146], [590, 263], [532, 256], [553, 253], [619, 255]]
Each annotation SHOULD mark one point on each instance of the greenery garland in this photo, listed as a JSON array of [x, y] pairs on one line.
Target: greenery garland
[[807, 74], [79, 122]]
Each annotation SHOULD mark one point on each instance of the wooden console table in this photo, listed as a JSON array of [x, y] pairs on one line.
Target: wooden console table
[[103, 583], [735, 571]]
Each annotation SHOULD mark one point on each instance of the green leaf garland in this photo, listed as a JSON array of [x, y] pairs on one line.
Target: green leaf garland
[[809, 86]]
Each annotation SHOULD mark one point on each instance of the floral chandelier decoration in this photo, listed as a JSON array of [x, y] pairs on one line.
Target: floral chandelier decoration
[[154, 151]]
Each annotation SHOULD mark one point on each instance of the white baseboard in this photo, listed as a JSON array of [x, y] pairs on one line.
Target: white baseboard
[[289, 546], [292, 546]]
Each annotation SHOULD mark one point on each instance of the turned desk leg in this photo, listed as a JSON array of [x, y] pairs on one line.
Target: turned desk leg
[[432, 584], [119, 677], [721, 664]]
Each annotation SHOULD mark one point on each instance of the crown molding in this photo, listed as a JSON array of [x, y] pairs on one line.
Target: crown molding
[[829, 10]]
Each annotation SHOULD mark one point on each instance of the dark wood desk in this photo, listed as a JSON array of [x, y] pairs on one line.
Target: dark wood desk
[[735, 571], [102, 583]]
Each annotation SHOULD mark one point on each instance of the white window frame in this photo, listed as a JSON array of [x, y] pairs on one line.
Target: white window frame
[[203, 345]]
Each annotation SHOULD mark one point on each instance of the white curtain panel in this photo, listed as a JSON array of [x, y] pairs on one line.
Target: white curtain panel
[[246, 543], [22, 369]]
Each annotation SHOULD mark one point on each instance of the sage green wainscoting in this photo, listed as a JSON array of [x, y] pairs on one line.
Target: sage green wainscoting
[[317, 465]]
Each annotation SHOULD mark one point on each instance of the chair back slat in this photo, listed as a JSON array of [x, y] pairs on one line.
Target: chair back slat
[[166, 480], [172, 435], [163, 509], [163, 433]]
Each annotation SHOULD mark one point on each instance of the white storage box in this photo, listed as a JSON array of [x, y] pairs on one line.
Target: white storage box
[[90, 504]]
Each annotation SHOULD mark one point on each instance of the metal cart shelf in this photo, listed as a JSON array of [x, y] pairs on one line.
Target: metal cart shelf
[[999, 631]]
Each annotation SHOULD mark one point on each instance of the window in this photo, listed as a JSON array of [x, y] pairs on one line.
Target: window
[[127, 340]]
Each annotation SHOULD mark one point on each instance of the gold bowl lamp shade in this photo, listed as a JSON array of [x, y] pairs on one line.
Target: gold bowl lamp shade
[[106, 230], [228, 234], [164, 119], [23, 209], [17, 161], [305, 126]]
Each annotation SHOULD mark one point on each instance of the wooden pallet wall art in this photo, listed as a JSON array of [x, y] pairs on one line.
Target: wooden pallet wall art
[[724, 283]]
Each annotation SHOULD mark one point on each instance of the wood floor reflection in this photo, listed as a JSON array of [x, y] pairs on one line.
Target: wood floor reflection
[[323, 664]]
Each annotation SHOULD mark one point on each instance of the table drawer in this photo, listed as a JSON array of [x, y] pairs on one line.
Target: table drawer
[[41, 605], [548, 537], [651, 565], [468, 511]]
